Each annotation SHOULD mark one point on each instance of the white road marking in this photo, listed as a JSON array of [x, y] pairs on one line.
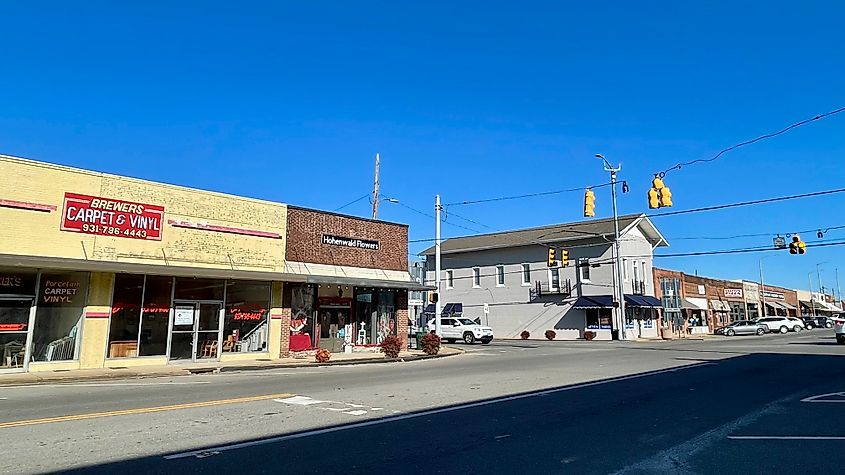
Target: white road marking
[[402, 417], [300, 400], [356, 413], [786, 437], [819, 397]]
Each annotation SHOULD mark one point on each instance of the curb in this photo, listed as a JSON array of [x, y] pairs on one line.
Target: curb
[[29, 379]]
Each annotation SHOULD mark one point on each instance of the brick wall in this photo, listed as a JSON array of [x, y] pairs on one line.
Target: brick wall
[[402, 316], [305, 229]]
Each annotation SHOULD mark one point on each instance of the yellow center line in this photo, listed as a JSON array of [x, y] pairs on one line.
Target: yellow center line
[[140, 410]]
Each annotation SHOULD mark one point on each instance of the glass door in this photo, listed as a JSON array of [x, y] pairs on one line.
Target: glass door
[[208, 331], [14, 327], [195, 333]]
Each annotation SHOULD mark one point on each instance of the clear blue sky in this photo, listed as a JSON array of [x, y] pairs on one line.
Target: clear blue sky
[[289, 101]]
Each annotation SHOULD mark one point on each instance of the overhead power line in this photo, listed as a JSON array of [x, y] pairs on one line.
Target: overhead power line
[[756, 139], [746, 203], [822, 229], [352, 202], [529, 195]]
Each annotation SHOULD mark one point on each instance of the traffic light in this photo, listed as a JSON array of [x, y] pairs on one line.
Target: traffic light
[[659, 196], [552, 261], [797, 246], [433, 297], [665, 197], [589, 203], [564, 257], [653, 199]]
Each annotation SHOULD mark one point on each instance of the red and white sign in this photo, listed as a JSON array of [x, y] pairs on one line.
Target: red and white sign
[[108, 217]]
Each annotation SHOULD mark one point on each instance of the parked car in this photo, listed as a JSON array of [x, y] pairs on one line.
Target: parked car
[[839, 328], [778, 324], [744, 327], [798, 324], [460, 328], [817, 322]]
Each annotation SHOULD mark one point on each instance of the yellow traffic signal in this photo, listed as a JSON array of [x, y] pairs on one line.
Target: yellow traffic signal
[[665, 197], [653, 198], [552, 261], [589, 203], [797, 246], [564, 257], [659, 195]]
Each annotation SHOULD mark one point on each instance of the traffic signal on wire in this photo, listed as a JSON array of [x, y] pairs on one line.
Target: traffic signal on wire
[[659, 196], [552, 261], [797, 246], [589, 203], [564, 257]]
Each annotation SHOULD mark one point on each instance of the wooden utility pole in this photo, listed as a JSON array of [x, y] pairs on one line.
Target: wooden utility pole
[[375, 191]]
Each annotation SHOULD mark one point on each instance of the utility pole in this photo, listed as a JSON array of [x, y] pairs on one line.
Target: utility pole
[[620, 287], [838, 290], [437, 209], [812, 296], [763, 292], [375, 190], [819, 276]]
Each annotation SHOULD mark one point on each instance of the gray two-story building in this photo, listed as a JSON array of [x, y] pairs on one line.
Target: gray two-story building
[[508, 274]]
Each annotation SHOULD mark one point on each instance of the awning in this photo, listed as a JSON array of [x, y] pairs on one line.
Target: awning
[[594, 301], [775, 305], [787, 306], [695, 303], [429, 308], [720, 306], [645, 301], [452, 308]]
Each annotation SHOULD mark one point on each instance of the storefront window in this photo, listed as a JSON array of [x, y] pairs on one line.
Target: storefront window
[[599, 318], [125, 315], [247, 310], [737, 311], [58, 320], [375, 312], [155, 316], [301, 300], [17, 288]]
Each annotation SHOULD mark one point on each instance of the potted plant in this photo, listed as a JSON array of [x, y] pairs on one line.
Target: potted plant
[[322, 355], [430, 344], [391, 346], [588, 335], [524, 335], [550, 335]]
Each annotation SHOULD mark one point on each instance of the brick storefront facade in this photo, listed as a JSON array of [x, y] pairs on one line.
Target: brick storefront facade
[[306, 228]]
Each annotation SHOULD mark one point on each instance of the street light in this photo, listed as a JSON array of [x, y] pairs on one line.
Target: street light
[[621, 290]]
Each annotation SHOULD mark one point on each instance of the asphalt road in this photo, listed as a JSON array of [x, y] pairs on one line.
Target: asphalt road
[[731, 405]]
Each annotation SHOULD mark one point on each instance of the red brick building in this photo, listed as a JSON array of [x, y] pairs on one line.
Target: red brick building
[[354, 287]]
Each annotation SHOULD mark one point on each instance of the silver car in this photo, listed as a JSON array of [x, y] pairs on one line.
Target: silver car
[[745, 327]]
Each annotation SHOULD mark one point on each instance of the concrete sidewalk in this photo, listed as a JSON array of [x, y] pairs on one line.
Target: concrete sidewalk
[[102, 374]]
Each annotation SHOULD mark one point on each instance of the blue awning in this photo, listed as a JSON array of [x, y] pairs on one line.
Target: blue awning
[[645, 301], [453, 308], [594, 301], [429, 308]]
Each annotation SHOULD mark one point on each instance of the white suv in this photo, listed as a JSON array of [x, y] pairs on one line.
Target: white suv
[[839, 328], [460, 328], [779, 324]]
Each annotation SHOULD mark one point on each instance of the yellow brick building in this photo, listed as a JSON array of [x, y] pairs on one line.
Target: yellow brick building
[[99, 270]]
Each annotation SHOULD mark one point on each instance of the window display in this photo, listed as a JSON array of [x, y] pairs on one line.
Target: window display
[[246, 325], [58, 319], [375, 312], [155, 316], [125, 315], [301, 300]]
